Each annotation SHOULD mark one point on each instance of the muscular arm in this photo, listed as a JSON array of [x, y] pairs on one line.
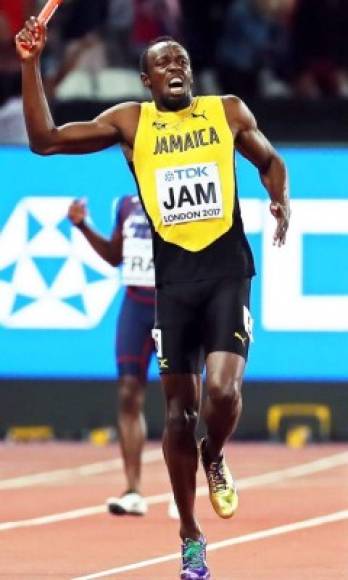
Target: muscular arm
[[116, 125], [253, 145], [44, 137]]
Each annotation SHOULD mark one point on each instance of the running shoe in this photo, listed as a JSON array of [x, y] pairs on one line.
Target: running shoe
[[131, 503], [194, 565], [222, 489]]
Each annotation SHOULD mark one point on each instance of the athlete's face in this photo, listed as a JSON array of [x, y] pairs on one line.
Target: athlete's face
[[169, 76]]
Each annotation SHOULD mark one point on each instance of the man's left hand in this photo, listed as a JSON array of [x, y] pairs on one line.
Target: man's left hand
[[281, 212]]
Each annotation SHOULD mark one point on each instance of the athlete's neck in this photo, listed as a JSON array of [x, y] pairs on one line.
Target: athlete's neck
[[173, 105]]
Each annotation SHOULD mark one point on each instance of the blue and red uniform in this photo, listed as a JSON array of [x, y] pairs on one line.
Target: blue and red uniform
[[134, 344]]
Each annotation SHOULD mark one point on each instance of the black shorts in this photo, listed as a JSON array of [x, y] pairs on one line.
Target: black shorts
[[195, 319]]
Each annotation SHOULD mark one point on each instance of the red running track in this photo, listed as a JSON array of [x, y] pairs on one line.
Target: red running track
[[292, 523]]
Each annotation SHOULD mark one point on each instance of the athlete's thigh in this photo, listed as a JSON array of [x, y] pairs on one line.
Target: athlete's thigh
[[227, 321], [134, 344], [177, 331]]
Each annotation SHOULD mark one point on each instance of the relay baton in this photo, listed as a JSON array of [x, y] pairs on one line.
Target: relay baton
[[48, 10]]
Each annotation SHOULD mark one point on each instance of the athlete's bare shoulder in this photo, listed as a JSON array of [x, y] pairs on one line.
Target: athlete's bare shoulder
[[125, 118], [238, 115], [127, 108]]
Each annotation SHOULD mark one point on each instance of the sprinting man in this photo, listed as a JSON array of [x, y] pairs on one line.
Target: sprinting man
[[130, 247], [181, 149]]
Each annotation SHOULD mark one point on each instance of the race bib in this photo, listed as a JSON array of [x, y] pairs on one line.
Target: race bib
[[248, 323], [189, 193], [137, 269]]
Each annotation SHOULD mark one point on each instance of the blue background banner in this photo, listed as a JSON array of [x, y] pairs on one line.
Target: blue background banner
[[59, 301]]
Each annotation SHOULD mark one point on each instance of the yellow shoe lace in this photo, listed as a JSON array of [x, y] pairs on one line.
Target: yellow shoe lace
[[217, 480]]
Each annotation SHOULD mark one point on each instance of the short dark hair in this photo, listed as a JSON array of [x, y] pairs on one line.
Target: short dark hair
[[143, 64]]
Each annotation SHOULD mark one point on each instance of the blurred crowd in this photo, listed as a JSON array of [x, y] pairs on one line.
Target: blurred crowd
[[252, 48]]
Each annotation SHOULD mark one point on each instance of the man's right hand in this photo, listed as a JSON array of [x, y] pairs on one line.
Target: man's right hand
[[77, 212], [30, 41]]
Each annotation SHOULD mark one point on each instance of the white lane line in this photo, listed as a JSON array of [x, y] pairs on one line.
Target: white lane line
[[269, 478], [149, 457], [82, 470], [336, 460], [53, 518], [260, 535]]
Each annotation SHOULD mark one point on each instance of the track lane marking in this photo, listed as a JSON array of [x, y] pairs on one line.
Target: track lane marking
[[58, 475], [251, 537], [272, 477]]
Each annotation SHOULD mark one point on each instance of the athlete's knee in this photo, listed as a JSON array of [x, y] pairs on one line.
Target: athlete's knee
[[181, 421], [226, 395], [130, 395]]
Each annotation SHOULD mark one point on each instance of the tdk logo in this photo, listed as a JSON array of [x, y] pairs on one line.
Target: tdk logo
[[49, 276], [187, 173]]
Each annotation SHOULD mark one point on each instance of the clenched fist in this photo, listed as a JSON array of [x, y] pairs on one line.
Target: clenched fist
[[30, 41], [77, 212]]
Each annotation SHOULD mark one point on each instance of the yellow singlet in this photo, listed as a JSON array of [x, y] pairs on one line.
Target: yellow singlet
[[183, 163]]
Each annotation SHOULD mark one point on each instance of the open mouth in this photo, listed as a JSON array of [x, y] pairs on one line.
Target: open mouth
[[176, 85]]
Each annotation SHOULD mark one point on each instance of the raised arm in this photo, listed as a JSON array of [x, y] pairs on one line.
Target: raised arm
[[44, 137], [110, 250], [253, 145]]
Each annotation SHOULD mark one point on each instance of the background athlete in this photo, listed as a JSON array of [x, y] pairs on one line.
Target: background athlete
[[129, 246], [181, 150]]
